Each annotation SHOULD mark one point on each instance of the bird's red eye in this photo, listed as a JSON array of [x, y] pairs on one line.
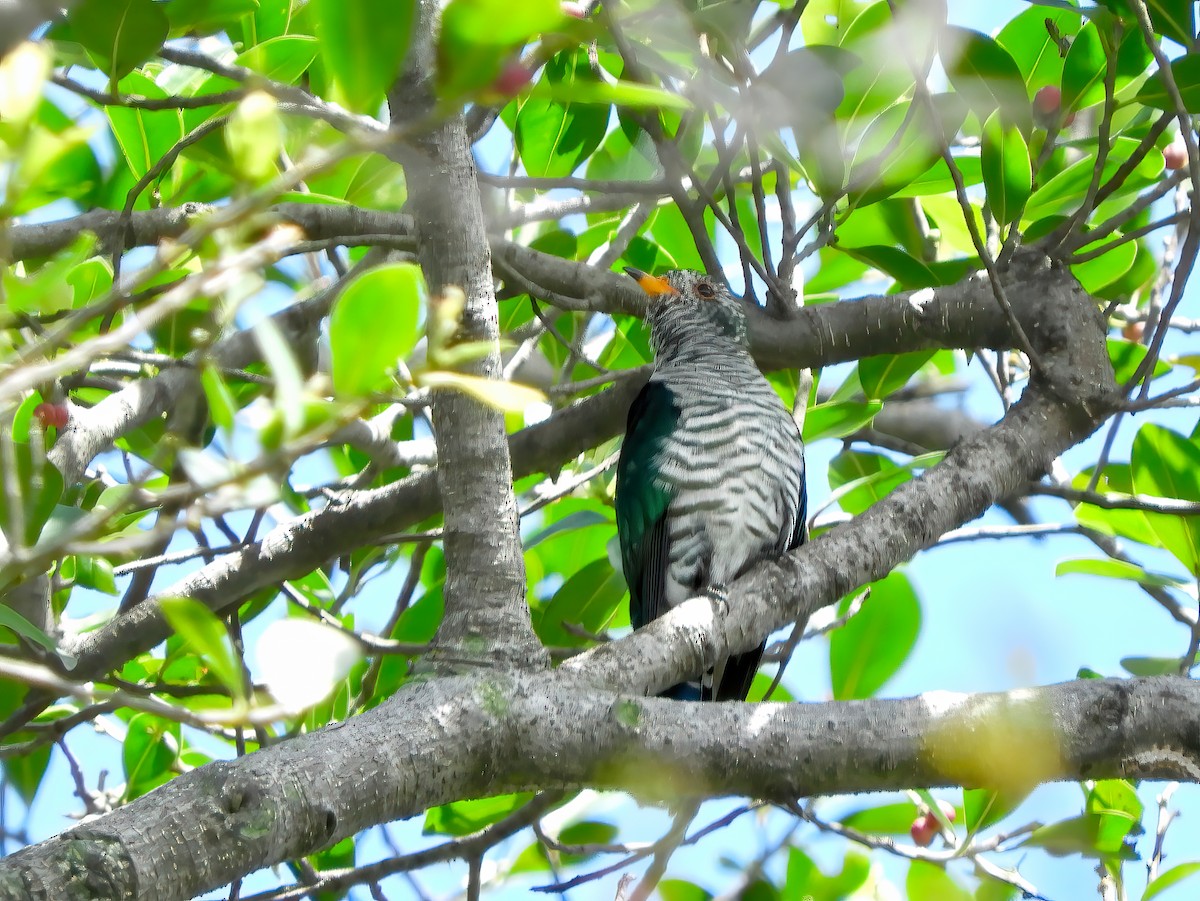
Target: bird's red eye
[[705, 290]]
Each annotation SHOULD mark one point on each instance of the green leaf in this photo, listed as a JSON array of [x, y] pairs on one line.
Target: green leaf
[[1007, 169], [1186, 72], [682, 890], [986, 75], [1173, 876], [1127, 356], [1033, 49], [908, 271], [1166, 464], [1151, 666], [1118, 569], [1117, 478], [938, 180], [11, 619], [1174, 19], [119, 34], [882, 374], [628, 94], [860, 479], [150, 748], [554, 136], [888, 159], [464, 817], [205, 16], [25, 770], [836, 420], [506, 396], [871, 647], [1084, 70], [883, 819], [143, 136], [363, 45], [208, 637], [284, 58], [587, 599], [984, 806], [927, 880], [39, 486], [1092, 835], [1095, 275], [374, 325], [1062, 192], [478, 36], [221, 404], [805, 880], [587, 832], [95, 572]]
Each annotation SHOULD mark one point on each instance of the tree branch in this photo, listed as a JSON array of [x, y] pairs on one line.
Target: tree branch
[[438, 741], [485, 565]]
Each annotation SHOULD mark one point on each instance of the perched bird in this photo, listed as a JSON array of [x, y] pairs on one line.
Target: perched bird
[[711, 475]]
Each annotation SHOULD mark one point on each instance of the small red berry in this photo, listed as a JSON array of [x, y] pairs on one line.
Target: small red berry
[[512, 79], [1047, 106], [52, 415], [1175, 155], [947, 810], [1047, 100], [923, 829]]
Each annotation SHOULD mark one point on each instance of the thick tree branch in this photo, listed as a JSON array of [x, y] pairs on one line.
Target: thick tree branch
[[471, 736], [485, 568]]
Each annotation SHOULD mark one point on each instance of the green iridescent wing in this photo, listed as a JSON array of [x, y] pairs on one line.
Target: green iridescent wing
[[642, 501]]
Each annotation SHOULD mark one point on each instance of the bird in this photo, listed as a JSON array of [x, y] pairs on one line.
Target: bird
[[710, 477]]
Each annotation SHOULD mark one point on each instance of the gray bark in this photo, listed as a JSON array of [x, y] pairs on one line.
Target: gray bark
[[486, 615], [468, 736]]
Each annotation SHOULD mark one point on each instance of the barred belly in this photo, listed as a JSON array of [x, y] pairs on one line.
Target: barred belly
[[735, 472]]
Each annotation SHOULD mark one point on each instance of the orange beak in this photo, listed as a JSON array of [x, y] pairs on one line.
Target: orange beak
[[651, 284]]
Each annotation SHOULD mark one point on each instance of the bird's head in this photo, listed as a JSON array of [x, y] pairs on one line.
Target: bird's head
[[685, 304]]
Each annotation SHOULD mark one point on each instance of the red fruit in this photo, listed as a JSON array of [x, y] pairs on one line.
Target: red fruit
[[1133, 331], [1047, 100], [947, 810], [52, 415], [923, 829], [510, 81], [1047, 106], [1175, 155]]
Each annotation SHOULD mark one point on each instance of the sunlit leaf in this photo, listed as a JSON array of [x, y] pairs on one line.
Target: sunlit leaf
[[1007, 169], [208, 637], [1171, 877], [836, 420], [986, 75], [507, 396], [363, 45], [869, 649], [373, 326], [1166, 464], [150, 748], [464, 817], [554, 135], [119, 34], [1186, 73]]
